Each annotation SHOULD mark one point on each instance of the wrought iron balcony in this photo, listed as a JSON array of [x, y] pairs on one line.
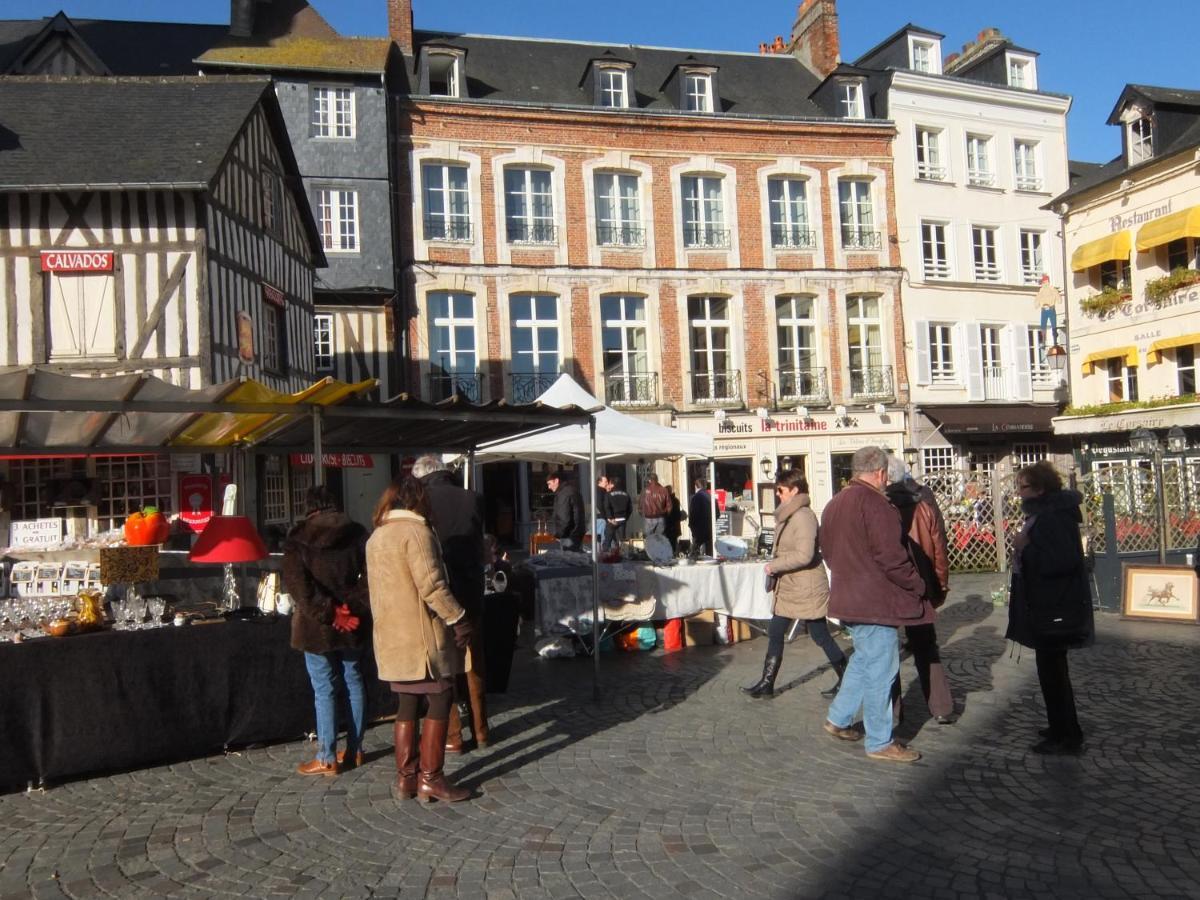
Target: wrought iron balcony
[[858, 238], [634, 389], [443, 385], [620, 236], [528, 386], [793, 237], [705, 238], [711, 388], [872, 383], [803, 387], [531, 233], [448, 229]]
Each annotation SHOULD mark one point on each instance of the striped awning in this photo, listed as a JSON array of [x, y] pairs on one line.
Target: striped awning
[[1182, 224], [1128, 354], [1114, 246], [1154, 354]]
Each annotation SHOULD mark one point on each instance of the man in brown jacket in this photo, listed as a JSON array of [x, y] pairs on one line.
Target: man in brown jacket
[[874, 589]]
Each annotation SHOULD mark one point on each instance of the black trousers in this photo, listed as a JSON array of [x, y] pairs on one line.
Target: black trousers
[[818, 630], [1055, 679]]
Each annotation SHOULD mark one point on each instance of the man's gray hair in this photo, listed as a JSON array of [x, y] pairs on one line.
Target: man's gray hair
[[428, 463], [868, 460], [897, 469]]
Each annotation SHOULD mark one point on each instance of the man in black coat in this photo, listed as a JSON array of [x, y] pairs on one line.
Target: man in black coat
[[620, 508], [700, 519], [456, 515], [568, 523]]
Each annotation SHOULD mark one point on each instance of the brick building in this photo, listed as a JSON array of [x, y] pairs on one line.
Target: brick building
[[684, 232]]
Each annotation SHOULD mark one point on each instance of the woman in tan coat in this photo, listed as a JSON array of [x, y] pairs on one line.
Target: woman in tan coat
[[801, 588], [419, 632]]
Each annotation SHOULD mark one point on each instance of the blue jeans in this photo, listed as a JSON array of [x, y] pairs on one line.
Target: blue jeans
[[655, 526], [868, 683], [325, 670], [601, 532]]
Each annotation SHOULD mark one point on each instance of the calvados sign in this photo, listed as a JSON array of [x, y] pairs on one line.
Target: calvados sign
[[77, 260]]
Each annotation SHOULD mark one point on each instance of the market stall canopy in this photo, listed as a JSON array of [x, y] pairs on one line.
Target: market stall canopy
[[1113, 246], [619, 437], [47, 413]]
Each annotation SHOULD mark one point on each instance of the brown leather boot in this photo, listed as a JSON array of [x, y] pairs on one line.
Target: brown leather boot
[[476, 690], [405, 735], [454, 738], [432, 784]]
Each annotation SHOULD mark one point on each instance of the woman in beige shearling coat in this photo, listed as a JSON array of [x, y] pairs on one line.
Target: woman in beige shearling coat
[[419, 632], [801, 587]]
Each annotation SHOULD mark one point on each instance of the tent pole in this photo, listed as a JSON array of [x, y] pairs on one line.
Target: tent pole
[[318, 448], [591, 508], [712, 505], [469, 470]]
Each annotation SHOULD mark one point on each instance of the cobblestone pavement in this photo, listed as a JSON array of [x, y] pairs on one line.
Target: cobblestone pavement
[[677, 785]]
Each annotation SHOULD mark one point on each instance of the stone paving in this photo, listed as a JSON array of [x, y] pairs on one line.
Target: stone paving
[[676, 785]]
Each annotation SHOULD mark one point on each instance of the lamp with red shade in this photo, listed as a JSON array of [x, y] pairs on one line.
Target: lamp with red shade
[[229, 539]]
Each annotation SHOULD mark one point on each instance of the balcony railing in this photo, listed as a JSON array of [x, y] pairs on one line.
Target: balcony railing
[[705, 238], [804, 387], [928, 172], [438, 229], [1029, 182], [443, 385], [635, 389], [856, 238], [793, 237], [937, 268], [531, 233], [987, 271], [1031, 274], [980, 178], [872, 383], [525, 387], [716, 387], [620, 236], [994, 383]]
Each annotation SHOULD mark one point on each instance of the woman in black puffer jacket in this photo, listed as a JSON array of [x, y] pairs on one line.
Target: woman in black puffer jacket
[[1050, 607]]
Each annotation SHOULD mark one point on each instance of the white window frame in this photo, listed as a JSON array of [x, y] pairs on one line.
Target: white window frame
[[337, 216], [536, 228], [455, 226], [706, 360], [1027, 167], [788, 213], [1033, 255], [275, 493], [614, 87], [1141, 139], [323, 342], [1023, 67], [991, 362], [129, 483], [791, 353], [938, 461], [850, 100], [1118, 374], [928, 155], [980, 172], [1040, 373], [1183, 365], [528, 362], [869, 349], [332, 113], [80, 316], [985, 253], [630, 319], [942, 342], [273, 353], [856, 213], [935, 250], [617, 212], [453, 71], [932, 64], [453, 360], [1029, 452], [703, 214], [697, 92]]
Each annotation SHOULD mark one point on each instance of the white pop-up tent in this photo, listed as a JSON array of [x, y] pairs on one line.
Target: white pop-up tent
[[619, 437]]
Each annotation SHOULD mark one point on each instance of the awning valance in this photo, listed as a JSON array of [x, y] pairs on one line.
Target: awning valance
[[1128, 354], [1114, 246], [993, 418], [1182, 224], [1154, 354]]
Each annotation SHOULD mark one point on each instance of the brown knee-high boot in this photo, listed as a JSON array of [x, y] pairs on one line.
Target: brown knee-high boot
[[432, 784], [476, 690], [454, 738], [404, 733]]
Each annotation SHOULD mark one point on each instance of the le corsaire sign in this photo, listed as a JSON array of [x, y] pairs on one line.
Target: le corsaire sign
[[77, 260]]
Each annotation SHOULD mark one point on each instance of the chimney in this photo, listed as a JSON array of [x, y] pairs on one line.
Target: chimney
[[400, 24], [815, 39], [241, 18]]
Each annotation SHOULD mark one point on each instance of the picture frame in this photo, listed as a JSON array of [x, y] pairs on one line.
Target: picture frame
[[1159, 593]]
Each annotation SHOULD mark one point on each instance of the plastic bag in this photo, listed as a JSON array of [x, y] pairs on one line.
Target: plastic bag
[[673, 635], [724, 631], [555, 647]]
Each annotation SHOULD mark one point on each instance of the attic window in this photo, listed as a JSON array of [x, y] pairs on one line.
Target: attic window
[[697, 92], [1021, 71], [443, 75], [924, 55], [850, 100], [1141, 140], [613, 87]]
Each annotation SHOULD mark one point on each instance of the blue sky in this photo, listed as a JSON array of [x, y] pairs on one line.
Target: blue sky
[[1090, 49]]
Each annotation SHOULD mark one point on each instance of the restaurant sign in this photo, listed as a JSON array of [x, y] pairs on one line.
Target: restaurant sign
[[77, 260], [336, 460]]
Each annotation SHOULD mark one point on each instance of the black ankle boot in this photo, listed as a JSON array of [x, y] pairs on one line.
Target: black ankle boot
[[840, 668], [765, 687]]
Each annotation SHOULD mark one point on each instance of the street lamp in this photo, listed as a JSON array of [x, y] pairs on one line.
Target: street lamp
[[785, 464], [766, 465], [1056, 357], [1144, 442]]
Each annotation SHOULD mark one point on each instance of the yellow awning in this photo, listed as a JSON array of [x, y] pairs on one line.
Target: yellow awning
[[1182, 224], [1154, 354], [215, 429], [1129, 354], [1115, 246]]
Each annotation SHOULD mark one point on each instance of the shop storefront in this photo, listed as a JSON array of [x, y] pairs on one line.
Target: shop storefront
[[981, 438]]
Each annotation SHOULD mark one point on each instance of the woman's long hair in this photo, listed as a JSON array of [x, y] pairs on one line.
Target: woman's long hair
[[405, 492]]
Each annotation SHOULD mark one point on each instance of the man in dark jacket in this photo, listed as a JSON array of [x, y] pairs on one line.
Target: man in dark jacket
[[619, 507], [568, 523], [654, 504], [700, 519], [874, 589], [324, 558], [456, 515]]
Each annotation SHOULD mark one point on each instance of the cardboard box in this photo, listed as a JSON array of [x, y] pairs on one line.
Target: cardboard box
[[742, 631], [700, 630]]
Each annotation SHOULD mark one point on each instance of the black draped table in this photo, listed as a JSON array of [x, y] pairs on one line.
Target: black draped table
[[120, 700]]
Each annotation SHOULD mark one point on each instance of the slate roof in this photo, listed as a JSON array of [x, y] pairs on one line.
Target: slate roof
[[120, 131], [908, 28], [127, 48], [309, 54], [550, 72]]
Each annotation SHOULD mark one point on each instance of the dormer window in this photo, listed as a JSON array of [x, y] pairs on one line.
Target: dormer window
[[442, 71], [697, 92], [850, 100], [1021, 71], [924, 55], [1141, 140], [613, 88]]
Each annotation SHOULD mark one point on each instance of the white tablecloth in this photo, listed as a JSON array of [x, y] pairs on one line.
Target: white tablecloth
[[632, 591]]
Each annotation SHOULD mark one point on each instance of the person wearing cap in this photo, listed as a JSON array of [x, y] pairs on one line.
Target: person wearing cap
[[568, 523]]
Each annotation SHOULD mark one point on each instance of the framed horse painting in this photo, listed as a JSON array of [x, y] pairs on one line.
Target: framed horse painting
[[1160, 593]]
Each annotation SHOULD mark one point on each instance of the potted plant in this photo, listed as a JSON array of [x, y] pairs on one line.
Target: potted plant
[[1159, 289], [1109, 298]]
